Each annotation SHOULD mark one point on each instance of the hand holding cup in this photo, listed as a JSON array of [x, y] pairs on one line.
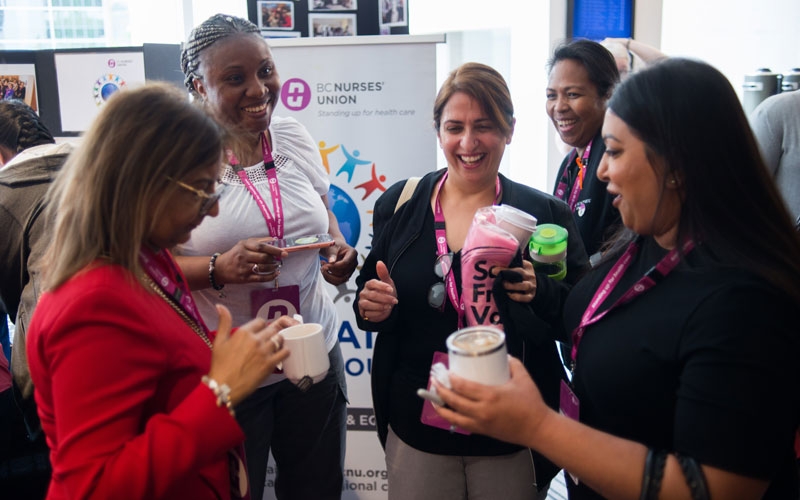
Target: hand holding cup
[[244, 358]]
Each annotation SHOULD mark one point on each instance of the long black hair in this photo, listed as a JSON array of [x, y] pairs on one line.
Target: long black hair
[[690, 119]]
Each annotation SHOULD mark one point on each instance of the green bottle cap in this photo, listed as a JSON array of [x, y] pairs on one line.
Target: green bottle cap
[[548, 249], [548, 243]]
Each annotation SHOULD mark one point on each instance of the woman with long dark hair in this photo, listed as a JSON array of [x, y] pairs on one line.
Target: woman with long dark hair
[[685, 341]]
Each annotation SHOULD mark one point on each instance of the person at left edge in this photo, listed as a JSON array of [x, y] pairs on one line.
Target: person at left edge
[[133, 400], [278, 188], [30, 159]]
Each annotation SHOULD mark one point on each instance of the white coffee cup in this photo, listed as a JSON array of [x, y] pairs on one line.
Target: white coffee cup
[[516, 222], [308, 361], [478, 353]]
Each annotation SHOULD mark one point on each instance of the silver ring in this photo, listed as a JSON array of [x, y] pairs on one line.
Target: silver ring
[[259, 272], [275, 339]]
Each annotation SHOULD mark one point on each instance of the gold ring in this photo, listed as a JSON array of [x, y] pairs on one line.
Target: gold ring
[[365, 317], [276, 342]]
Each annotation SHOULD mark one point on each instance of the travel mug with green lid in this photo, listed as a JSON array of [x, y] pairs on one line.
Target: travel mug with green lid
[[548, 249]]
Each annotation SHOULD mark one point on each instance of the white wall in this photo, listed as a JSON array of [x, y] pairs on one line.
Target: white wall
[[737, 37], [515, 44]]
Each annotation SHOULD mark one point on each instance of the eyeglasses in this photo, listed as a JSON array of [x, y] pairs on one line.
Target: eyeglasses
[[438, 291], [207, 200]]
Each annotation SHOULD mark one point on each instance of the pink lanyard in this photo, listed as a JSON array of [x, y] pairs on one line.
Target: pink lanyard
[[176, 289], [274, 224], [645, 283], [577, 186], [442, 249]]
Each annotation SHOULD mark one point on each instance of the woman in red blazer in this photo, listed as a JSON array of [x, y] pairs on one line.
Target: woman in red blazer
[[133, 400]]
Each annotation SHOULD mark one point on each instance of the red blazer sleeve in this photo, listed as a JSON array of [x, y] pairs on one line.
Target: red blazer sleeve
[[117, 377]]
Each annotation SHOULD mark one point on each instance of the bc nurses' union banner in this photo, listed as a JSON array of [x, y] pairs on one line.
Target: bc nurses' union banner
[[368, 103]]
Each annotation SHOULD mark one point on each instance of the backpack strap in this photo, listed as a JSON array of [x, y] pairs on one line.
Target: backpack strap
[[408, 190]]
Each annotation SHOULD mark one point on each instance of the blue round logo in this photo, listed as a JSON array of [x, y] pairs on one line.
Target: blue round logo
[[105, 86], [346, 213]]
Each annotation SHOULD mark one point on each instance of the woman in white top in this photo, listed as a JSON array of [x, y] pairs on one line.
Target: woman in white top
[[276, 187]]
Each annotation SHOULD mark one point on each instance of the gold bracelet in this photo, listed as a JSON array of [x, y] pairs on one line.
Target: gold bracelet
[[221, 391]]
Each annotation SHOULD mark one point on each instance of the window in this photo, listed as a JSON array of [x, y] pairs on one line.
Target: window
[[52, 24]]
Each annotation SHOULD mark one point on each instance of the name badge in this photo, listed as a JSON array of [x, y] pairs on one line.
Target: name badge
[[272, 303], [570, 406]]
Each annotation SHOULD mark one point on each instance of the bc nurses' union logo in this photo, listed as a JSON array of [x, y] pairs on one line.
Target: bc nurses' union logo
[[276, 308], [105, 86], [295, 94]]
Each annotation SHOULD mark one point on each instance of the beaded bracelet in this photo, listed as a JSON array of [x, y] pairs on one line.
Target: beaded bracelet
[[211, 279], [221, 391]]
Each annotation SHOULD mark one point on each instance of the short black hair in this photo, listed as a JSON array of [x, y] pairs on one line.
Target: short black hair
[[597, 60]]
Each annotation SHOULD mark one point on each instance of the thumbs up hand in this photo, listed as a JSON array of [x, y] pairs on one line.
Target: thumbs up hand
[[379, 296]]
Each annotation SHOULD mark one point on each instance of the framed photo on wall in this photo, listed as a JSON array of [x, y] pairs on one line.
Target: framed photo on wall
[[18, 81], [280, 34], [393, 12], [331, 25], [275, 15], [332, 5]]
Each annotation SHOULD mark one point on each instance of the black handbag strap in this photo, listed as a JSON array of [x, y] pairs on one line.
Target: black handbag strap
[[694, 477]]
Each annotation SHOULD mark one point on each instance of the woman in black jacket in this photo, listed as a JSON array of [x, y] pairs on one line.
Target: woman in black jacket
[[474, 119]]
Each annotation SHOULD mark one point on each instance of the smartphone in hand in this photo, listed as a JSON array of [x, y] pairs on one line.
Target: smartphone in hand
[[303, 242]]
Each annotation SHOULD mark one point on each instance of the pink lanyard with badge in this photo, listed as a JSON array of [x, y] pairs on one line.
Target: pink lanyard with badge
[[275, 224], [645, 283], [577, 186], [570, 405], [442, 249], [269, 303], [176, 290]]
